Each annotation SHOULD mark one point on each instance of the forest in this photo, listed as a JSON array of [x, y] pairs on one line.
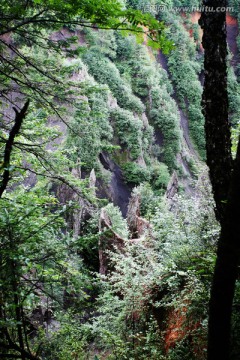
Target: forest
[[120, 179]]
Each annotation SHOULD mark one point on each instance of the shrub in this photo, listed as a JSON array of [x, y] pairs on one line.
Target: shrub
[[92, 131], [185, 68], [150, 82], [160, 176], [169, 272], [128, 129], [118, 224], [134, 173], [105, 72]]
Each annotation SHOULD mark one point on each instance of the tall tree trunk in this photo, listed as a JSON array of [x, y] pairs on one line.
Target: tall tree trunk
[[225, 275], [225, 179], [215, 103]]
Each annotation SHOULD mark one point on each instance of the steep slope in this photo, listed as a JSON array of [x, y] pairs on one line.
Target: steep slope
[[133, 122], [140, 114]]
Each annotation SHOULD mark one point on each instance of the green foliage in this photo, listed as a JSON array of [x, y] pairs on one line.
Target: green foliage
[[150, 83], [103, 42], [160, 176], [118, 224], [104, 13], [233, 97], [66, 343], [185, 68], [92, 130], [105, 72], [235, 5], [128, 130], [235, 139], [100, 97], [105, 97], [32, 155], [170, 271], [87, 244], [149, 199], [37, 266], [134, 173], [166, 117]]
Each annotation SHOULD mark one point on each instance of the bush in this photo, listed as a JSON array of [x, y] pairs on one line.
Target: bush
[[105, 72], [164, 274], [185, 68], [160, 176], [134, 173], [118, 224], [150, 82], [128, 129]]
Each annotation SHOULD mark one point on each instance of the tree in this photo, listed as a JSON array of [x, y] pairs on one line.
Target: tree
[[225, 179], [37, 87], [36, 267], [26, 30], [32, 22]]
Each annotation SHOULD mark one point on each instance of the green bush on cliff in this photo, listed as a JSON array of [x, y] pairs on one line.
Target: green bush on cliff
[[150, 82], [167, 273], [185, 68], [91, 128], [128, 130], [160, 176], [135, 173], [105, 72]]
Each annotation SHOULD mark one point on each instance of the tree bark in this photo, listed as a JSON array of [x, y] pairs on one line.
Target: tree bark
[[225, 179], [225, 275], [9, 145], [215, 103]]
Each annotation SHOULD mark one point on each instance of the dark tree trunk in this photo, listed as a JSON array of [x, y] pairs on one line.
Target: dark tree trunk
[[20, 115], [215, 104], [225, 179], [225, 275]]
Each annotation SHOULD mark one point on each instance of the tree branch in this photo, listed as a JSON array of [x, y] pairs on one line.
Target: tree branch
[[13, 346], [23, 23], [20, 115]]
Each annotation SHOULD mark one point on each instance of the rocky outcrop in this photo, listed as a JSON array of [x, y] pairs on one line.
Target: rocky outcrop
[[137, 225], [172, 188], [81, 212], [179, 327], [117, 191], [92, 180], [108, 240]]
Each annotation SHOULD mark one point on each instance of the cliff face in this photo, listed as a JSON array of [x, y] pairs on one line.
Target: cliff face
[[134, 123], [131, 121], [134, 112]]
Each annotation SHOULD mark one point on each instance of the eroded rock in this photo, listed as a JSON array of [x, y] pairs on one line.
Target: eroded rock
[[138, 226], [108, 241]]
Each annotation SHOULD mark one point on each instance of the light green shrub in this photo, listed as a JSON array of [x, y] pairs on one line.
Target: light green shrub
[[128, 130], [134, 173]]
